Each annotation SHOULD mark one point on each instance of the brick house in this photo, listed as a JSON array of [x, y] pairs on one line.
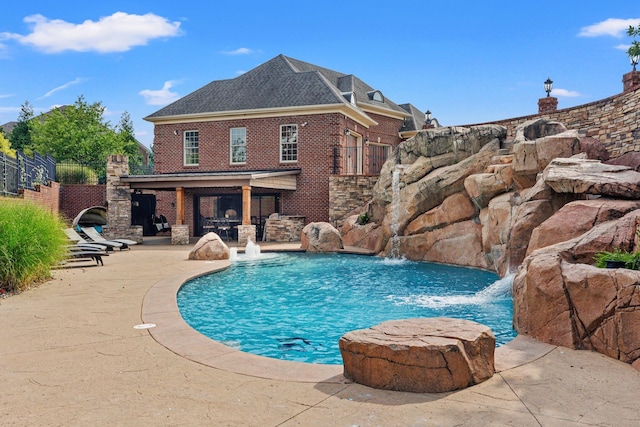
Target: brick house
[[266, 142]]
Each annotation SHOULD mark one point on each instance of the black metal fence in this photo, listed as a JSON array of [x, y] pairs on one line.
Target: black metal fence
[[69, 172], [25, 172], [363, 160]]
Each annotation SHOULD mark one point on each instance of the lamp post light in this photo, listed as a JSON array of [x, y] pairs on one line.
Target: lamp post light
[[634, 59], [427, 116], [548, 85]]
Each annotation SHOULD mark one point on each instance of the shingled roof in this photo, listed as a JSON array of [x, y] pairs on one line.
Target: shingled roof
[[278, 83]]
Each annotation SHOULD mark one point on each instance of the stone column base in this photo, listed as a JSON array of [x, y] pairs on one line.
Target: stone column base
[[246, 233], [180, 234]]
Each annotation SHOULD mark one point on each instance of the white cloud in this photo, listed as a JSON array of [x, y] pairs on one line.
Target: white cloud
[[610, 27], [565, 93], [239, 51], [74, 82], [624, 47], [160, 97], [6, 95], [116, 33]]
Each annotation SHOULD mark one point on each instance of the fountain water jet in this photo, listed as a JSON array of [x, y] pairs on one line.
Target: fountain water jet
[[252, 250]]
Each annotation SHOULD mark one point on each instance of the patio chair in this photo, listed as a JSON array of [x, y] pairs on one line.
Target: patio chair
[[77, 238], [223, 228], [81, 252], [93, 234]]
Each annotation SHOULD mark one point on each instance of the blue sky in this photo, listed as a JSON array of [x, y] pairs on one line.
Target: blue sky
[[467, 62]]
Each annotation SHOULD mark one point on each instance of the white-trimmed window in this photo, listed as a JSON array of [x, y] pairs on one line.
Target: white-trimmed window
[[191, 148], [288, 143], [238, 145]]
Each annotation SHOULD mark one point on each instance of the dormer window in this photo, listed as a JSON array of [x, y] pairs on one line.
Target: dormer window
[[376, 95], [350, 96]]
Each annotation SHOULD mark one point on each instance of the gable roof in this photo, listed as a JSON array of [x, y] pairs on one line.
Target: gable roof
[[280, 83]]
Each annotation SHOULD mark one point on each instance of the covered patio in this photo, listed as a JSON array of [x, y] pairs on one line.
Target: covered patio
[[233, 204]]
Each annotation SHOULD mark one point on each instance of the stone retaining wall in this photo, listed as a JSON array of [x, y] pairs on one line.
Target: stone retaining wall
[[347, 193], [284, 229], [612, 121]]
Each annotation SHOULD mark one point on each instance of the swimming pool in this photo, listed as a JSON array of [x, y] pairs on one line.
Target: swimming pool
[[296, 306]]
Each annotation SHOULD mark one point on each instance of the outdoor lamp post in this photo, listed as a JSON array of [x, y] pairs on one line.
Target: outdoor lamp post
[[427, 116], [634, 59], [548, 85]]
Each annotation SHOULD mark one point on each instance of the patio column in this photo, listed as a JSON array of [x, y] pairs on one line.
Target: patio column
[[246, 205], [179, 205]]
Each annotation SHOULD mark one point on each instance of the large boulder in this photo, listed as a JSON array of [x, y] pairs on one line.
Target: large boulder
[[482, 187], [495, 220], [419, 355], [360, 235], [455, 208], [560, 298], [210, 247], [459, 243], [321, 237], [584, 176], [576, 218]]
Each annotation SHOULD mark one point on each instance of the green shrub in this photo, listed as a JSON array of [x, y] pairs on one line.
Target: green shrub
[[32, 241], [74, 173], [363, 218], [630, 259]]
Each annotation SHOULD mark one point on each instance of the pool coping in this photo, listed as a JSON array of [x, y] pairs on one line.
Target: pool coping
[[160, 307]]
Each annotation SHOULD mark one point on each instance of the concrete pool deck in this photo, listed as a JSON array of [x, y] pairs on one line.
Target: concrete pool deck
[[69, 355]]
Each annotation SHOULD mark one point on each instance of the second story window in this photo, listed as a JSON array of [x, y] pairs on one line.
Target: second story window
[[238, 145], [191, 148], [289, 143]]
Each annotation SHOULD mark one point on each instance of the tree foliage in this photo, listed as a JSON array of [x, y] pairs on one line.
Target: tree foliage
[[20, 136], [5, 146], [634, 49], [80, 133]]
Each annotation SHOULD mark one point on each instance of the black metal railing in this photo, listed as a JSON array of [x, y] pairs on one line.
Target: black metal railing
[[364, 160], [25, 172]]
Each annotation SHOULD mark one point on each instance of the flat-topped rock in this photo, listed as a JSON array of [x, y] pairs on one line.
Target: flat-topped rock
[[423, 355]]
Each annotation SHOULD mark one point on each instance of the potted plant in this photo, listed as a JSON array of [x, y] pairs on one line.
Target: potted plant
[[617, 259]]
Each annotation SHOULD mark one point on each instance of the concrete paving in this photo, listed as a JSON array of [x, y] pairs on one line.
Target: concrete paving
[[70, 355]]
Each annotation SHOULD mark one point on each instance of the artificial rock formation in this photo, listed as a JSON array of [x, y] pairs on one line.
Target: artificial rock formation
[[210, 247], [321, 237], [463, 196], [419, 355]]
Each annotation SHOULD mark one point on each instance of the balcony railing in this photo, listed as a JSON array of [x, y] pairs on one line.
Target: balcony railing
[[361, 160]]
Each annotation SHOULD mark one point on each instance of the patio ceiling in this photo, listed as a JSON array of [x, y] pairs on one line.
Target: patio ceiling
[[276, 180]]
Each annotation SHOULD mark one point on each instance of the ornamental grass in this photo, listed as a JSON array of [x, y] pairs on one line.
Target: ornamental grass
[[32, 241]]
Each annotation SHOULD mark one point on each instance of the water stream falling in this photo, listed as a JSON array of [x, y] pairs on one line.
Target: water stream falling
[[395, 212]]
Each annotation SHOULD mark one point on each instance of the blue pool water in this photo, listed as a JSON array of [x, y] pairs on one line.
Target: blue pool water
[[296, 306]]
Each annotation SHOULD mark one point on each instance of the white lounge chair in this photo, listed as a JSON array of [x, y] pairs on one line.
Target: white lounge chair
[[77, 238], [93, 234]]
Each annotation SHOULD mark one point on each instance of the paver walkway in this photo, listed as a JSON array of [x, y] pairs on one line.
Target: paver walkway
[[69, 356]]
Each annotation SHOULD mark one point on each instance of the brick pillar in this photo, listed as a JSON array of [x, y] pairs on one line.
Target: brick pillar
[[119, 201], [547, 105], [630, 81]]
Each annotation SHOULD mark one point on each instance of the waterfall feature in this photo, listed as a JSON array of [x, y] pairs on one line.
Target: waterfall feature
[[395, 212]]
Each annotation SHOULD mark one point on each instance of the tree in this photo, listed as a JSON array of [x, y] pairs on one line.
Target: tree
[[127, 137], [634, 49], [20, 136], [5, 146], [77, 132]]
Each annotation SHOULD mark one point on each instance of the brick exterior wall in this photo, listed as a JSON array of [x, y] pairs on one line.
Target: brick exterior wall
[[316, 140], [76, 197], [613, 121], [45, 196]]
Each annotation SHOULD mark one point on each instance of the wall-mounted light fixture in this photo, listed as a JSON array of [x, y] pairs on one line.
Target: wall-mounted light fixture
[[347, 132], [548, 86], [304, 124], [175, 132]]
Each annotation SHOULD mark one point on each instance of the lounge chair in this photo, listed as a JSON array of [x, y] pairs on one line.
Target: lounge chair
[[81, 252], [75, 237], [93, 234]]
